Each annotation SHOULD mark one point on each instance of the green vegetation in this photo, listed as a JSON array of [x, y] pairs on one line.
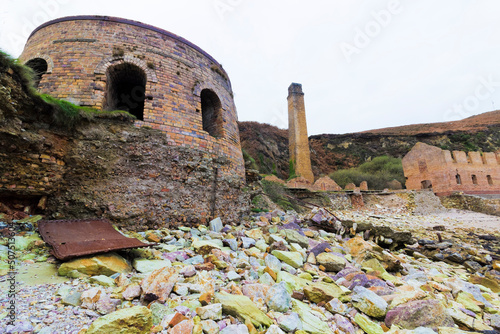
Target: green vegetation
[[277, 193], [68, 114], [377, 173], [24, 74], [248, 158], [65, 114]]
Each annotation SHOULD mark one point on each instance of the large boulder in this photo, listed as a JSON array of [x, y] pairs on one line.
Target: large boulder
[[159, 283], [134, 320], [419, 313], [104, 264]]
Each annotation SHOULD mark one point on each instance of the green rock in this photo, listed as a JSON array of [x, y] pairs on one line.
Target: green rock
[[293, 283], [104, 264], [295, 237], [323, 292], [25, 243], [331, 262], [243, 308], [369, 302], [133, 320], [29, 256], [72, 299], [30, 220], [373, 265], [76, 274], [204, 247], [293, 259], [469, 302], [370, 327], [103, 280], [310, 323], [159, 311], [147, 266], [306, 276]]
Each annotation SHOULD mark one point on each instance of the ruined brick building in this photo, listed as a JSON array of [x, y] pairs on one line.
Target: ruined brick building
[[165, 81], [445, 172], [179, 160]]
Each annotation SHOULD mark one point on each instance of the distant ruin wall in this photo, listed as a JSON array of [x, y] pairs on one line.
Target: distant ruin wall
[[446, 172]]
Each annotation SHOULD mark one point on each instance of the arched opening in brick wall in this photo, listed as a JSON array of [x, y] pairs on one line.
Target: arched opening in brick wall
[[126, 89], [474, 179], [458, 178], [490, 180], [39, 66], [211, 112]]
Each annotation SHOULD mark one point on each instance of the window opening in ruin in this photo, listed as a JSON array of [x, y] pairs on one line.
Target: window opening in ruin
[[458, 178], [490, 180], [125, 89], [211, 112], [39, 66], [426, 184], [474, 179]]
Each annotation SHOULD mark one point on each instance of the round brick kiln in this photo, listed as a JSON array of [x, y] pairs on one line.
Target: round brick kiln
[[165, 81]]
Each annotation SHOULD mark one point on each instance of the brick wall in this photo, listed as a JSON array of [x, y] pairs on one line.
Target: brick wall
[[447, 172], [83, 54]]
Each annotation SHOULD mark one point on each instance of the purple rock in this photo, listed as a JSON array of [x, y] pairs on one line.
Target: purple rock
[[349, 269], [317, 218], [466, 311], [176, 256], [226, 229], [358, 280], [419, 313], [344, 324], [292, 226], [182, 310], [318, 249], [222, 324]]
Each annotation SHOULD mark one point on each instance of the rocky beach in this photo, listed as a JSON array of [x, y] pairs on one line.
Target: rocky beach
[[375, 270]]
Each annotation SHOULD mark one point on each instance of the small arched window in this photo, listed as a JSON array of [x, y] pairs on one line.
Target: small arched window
[[458, 178], [39, 66], [211, 112], [490, 180], [474, 179], [125, 89]]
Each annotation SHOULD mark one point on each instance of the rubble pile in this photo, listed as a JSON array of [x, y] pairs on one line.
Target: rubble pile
[[274, 273]]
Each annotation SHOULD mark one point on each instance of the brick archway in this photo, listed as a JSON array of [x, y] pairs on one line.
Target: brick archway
[[50, 63], [112, 61]]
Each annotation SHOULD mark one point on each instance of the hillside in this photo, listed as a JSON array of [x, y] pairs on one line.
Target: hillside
[[268, 145]]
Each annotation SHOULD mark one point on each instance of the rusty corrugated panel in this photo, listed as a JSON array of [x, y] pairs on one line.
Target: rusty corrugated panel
[[71, 238]]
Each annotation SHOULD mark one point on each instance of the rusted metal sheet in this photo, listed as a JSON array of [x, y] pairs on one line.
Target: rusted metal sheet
[[71, 238]]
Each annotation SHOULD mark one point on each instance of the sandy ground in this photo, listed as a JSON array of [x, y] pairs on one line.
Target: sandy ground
[[469, 219]]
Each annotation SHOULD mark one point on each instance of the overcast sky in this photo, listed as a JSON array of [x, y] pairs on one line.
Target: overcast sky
[[363, 64]]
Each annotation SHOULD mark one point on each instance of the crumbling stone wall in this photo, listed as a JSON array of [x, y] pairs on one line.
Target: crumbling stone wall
[[427, 166], [167, 82]]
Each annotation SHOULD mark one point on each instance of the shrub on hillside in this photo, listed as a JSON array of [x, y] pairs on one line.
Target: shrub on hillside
[[377, 172]]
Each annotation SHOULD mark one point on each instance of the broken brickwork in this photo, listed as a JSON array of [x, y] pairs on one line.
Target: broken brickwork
[[445, 172], [167, 82]]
